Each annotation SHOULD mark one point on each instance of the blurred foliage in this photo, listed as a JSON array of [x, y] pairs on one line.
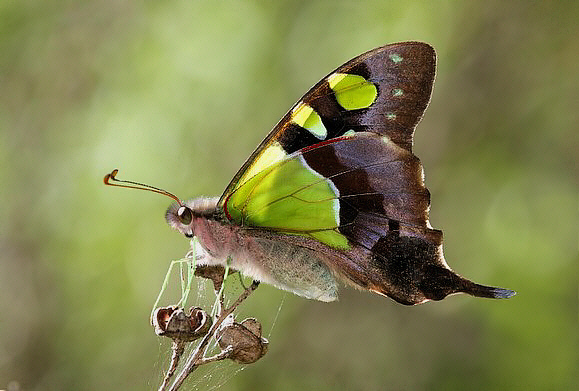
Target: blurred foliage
[[178, 93]]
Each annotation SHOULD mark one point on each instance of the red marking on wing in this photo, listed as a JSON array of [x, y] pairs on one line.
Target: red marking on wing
[[322, 143], [225, 207]]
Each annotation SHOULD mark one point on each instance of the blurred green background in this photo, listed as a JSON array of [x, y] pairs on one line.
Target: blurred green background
[[178, 93]]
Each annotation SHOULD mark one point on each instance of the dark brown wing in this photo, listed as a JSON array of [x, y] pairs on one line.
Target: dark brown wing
[[403, 75]]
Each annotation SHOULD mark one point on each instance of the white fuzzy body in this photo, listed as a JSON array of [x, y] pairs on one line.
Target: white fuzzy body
[[264, 257]]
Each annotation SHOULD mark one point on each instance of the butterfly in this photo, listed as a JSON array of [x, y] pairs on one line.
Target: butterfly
[[334, 192]]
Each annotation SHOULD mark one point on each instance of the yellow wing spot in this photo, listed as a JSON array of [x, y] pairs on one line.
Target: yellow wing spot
[[335, 78], [352, 91], [306, 117], [269, 156]]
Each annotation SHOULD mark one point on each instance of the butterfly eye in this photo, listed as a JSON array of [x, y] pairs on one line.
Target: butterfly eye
[[185, 215]]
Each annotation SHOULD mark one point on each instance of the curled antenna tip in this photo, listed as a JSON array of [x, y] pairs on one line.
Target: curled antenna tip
[[111, 177]]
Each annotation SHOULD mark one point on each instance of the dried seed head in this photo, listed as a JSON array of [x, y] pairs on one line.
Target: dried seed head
[[244, 339], [174, 323]]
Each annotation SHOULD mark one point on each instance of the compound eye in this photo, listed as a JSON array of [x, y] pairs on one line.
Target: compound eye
[[185, 216]]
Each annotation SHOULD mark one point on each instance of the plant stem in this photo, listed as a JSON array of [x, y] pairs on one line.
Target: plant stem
[[178, 349]]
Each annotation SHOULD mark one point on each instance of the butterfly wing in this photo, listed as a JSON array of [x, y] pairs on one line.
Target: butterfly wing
[[321, 191], [338, 171], [383, 91]]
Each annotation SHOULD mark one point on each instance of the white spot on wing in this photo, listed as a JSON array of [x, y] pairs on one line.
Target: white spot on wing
[[396, 58]]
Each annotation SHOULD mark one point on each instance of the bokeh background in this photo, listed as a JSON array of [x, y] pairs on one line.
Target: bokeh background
[[178, 93]]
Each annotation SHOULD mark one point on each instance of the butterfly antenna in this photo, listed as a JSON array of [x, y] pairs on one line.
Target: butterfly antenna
[[111, 180]]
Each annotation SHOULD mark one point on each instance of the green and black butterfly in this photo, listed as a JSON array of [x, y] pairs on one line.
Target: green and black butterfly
[[335, 192]]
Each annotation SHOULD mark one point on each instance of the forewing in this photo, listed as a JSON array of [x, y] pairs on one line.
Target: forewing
[[384, 91]]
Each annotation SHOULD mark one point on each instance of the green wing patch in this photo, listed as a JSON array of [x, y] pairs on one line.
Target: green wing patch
[[289, 197], [352, 91]]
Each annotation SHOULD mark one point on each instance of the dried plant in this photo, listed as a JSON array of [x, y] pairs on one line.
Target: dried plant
[[241, 342]]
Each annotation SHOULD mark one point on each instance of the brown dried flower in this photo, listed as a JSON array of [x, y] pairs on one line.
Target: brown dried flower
[[174, 323], [243, 339]]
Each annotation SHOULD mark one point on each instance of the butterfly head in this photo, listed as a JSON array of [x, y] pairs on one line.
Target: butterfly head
[[183, 216]]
